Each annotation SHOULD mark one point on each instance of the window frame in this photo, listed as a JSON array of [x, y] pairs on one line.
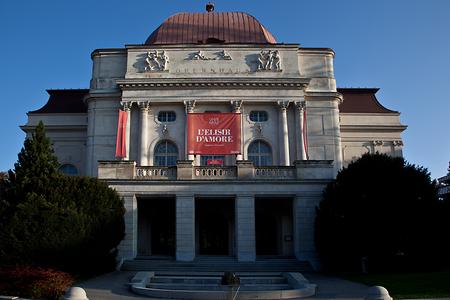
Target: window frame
[[263, 159], [258, 113], [166, 116], [167, 156], [69, 173]]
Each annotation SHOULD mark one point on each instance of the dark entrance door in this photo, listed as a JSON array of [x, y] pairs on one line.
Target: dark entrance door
[[156, 226], [273, 226], [214, 222]]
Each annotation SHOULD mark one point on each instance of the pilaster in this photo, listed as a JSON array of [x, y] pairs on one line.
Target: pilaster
[[185, 227], [245, 227], [190, 107]]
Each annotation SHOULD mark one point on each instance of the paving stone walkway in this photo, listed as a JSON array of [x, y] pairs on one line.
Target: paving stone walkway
[[114, 286]]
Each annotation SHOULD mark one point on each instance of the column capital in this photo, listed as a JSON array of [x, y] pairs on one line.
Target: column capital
[[300, 105], [144, 105], [283, 104], [236, 105], [126, 105], [189, 105]]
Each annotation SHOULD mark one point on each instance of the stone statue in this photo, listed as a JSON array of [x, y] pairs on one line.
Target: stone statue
[[199, 56], [156, 61], [224, 55], [276, 60], [269, 61]]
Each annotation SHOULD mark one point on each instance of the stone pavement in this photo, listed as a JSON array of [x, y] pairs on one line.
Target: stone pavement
[[114, 286]]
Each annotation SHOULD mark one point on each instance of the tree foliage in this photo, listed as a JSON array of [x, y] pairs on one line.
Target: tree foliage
[[48, 219], [383, 210]]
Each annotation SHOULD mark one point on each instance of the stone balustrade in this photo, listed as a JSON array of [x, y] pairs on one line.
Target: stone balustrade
[[244, 170], [215, 173], [275, 172], [151, 172]]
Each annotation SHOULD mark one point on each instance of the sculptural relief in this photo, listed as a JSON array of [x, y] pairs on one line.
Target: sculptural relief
[[269, 61], [156, 61], [199, 55]]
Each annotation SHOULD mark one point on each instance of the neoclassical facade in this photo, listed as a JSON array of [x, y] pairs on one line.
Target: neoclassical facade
[[297, 130]]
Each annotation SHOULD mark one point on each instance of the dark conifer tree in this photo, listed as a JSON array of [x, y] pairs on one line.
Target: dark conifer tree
[[380, 210], [48, 219]]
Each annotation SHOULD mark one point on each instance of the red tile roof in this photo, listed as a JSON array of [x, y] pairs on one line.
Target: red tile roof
[[211, 28], [361, 100], [64, 101], [356, 100]]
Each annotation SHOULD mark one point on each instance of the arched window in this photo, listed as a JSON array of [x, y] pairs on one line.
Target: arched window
[[166, 154], [260, 153], [68, 169]]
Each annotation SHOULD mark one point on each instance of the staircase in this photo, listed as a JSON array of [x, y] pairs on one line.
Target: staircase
[[217, 264]]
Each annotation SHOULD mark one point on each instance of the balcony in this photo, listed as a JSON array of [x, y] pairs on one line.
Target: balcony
[[244, 170]]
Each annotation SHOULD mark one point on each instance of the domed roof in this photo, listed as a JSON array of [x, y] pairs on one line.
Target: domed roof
[[211, 28]]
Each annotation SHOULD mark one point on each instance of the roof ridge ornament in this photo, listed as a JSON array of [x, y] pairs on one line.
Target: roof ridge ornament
[[210, 7]]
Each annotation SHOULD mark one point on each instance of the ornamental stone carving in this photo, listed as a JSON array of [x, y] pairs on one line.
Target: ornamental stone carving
[[397, 143], [126, 106], [269, 61], [144, 105], [283, 105], [377, 143], [190, 105], [199, 55], [300, 105], [156, 61], [236, 104]]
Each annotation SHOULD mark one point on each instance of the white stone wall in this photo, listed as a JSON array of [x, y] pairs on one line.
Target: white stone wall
[[370, 133]]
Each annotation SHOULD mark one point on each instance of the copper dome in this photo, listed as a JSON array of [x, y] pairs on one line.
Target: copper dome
[[211, 28]]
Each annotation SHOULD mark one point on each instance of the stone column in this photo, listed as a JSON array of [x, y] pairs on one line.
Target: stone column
[[304, 216], [90, 138], [236, 105], [245, 227], [185, 227], [190, 106], [143, 129], [300, 131], [127, 109], [128, 246], [284, 133]]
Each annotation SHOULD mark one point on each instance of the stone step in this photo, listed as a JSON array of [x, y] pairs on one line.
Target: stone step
[[218, 266], [217, 287], [217, 279]]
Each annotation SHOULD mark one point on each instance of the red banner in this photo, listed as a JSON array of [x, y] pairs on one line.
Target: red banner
[[121, 148], [214, 133], [214, 162]]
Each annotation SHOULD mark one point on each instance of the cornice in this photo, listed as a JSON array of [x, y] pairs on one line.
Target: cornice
[[377, 128], [27, 128], [212, 46], [208, 83]]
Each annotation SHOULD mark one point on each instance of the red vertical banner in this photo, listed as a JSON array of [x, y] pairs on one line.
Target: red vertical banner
[[214, 133], [121, 147]]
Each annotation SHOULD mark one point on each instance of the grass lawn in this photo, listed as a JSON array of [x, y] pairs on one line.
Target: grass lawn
[[409, 285]]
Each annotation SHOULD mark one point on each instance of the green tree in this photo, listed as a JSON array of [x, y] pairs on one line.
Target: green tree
[[382, 210], [48, 219]]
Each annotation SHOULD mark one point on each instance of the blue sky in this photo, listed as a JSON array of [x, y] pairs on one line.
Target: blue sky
[[402, 47]]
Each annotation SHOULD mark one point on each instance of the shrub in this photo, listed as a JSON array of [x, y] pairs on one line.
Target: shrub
[[33, 282]]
